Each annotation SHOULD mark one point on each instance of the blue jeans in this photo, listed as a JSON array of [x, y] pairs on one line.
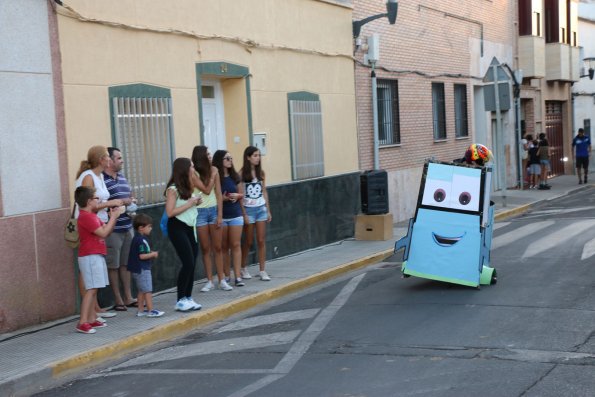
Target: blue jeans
[[206, 216], [257, 214]]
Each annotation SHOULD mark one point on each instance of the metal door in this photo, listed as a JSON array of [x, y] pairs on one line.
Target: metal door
[[554, 132]]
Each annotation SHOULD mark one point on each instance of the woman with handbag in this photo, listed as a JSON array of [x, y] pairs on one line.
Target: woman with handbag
[[90, 174]]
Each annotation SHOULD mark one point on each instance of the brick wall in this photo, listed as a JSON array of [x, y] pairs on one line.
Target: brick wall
[[430, 42]]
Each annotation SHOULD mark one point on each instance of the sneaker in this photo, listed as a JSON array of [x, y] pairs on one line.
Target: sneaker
[[585, 180], [101, 320], [183, 305], [264, 276], [98, 324], [195, 306], [239, 282], [155, 313], [85, 328], [543, 187], [580, 182], [224, 286], [142, 314], [245, 274], [107, 314], [227, 280], [208, 286]]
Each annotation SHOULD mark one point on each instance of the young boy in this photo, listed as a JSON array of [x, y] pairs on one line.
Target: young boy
[[91, 255], [139, 264]]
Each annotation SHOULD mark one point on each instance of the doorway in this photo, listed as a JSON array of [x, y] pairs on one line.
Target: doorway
[[213, 116]]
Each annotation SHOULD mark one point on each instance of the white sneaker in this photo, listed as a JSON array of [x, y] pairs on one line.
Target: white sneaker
[[154, 313], [245, 274], [183, 305], [107, 314], [224, 286], [142, 313], [195, 306], [101, 320], [208, 286], [264, 276]]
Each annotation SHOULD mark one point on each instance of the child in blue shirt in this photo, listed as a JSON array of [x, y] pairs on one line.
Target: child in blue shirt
[[139, 264]]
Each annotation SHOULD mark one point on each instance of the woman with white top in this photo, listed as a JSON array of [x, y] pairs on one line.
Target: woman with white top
[[90, 174], [255, 209]]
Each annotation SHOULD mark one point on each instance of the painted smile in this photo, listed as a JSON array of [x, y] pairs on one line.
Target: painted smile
[[446, 241]]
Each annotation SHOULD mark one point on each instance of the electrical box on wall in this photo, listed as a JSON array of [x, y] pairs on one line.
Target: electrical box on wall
[[373, 54], [260, 141]]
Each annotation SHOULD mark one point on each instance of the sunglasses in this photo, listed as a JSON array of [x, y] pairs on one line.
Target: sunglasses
[[95, 198], [228, 158]]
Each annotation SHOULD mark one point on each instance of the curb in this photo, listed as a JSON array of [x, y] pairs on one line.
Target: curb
[[177, 328], [513, 212]]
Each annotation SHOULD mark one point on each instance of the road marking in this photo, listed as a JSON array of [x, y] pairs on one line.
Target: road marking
[[588, 250], [519, 233], [301, 346], [557, 238], [269, 319], [213, 347], [500, 224]]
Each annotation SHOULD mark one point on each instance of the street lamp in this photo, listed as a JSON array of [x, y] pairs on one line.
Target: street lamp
[[591, 62], [391, 13]]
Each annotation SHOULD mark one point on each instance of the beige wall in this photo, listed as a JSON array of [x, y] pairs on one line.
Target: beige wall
[[95, 57]]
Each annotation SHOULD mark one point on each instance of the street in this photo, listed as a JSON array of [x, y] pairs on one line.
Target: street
[[374, 333]]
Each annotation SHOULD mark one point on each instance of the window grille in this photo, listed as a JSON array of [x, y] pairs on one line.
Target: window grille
[[461, 119], [438, 111], [389, 129], [144, 133], [305, 118]]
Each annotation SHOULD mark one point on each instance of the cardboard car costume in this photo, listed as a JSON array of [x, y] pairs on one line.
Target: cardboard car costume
[[450, 236]]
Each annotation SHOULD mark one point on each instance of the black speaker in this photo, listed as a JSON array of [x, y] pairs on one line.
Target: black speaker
[[374, 192]]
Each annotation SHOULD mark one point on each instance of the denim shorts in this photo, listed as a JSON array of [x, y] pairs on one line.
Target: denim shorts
[[143, 280], [546, 163], [534, 169], [257, 214], [206, 216], [239, 221]]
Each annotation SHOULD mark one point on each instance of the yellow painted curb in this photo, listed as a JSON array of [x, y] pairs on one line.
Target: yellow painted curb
[[195, 320], [515, 211]]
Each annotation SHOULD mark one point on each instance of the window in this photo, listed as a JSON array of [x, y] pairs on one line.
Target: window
[[461, 124], [389, 130], [438, 111], [305, 129], [587, 126], [143, 130]]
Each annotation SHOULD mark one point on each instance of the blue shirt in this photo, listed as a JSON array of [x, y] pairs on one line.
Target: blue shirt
[[139, 246], [582, 145], [119, 188], [230, 210]]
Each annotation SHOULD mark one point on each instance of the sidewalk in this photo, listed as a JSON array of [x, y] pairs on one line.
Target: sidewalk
[[38, 357]]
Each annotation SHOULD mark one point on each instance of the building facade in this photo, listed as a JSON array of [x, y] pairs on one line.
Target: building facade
[[583, 91], [430, 88], [156, 79]]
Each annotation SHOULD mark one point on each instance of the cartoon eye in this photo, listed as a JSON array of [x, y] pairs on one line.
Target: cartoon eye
[[439, 195], [465, 198]]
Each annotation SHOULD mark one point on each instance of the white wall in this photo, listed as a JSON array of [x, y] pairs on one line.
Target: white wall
[[584, 106], [29, 174]]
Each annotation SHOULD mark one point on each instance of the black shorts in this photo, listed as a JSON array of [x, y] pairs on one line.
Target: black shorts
[[582, 162]]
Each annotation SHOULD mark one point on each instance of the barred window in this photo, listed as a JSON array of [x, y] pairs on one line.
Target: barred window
[[389, 129], [438, 111], [305, 125], [143, 131], [461, 119]]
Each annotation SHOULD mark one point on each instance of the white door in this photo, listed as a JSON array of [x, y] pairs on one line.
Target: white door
[[213, 115]]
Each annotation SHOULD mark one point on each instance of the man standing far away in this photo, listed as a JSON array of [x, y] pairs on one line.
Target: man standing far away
[[583, 150], [118, 243]]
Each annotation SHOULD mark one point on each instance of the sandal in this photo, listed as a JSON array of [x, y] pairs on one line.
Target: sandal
[[120, 308], [132, 304]]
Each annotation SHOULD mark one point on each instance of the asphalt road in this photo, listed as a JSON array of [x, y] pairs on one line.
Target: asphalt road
[[374, 333]]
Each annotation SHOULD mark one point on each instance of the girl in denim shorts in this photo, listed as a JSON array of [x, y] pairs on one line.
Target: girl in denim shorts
[[233, 220], [208, 222], [256, 210]]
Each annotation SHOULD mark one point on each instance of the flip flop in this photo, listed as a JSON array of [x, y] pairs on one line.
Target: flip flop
[[133, 304], [120, 308]]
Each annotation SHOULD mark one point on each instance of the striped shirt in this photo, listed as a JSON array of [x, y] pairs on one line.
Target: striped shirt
[[119, 188]]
